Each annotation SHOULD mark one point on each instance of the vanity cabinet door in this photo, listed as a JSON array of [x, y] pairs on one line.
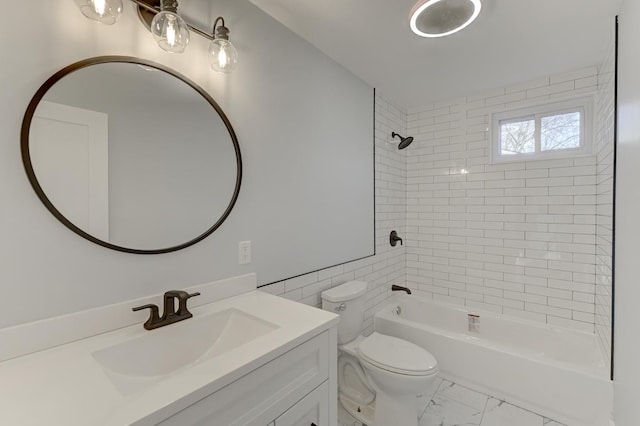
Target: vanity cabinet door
[[312, 410], [266, 392]]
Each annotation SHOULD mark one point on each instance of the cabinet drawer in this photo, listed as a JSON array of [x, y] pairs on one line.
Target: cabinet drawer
[[260, 396], [312, 410]]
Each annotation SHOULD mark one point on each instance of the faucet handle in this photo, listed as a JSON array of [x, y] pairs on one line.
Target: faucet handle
[[180, 294], [153, 308], [183, 296], [154, 315], [394, 238]]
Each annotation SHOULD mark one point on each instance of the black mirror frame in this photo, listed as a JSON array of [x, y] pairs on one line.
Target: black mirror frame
[[26, 158]]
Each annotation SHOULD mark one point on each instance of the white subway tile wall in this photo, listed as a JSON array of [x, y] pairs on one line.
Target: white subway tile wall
[[604, 148], [528, 239], [388, 265], [521, 239]]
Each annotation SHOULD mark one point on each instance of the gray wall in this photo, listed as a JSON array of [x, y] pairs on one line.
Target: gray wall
[[305, 127], [389, 265]]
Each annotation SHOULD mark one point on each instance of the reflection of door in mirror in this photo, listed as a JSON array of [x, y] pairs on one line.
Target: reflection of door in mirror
[[166, 175], [69, 151]]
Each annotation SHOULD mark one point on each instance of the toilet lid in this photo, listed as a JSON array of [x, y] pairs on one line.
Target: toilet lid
[[397, 355]]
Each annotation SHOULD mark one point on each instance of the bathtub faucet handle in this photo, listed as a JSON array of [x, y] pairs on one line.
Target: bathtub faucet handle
[[393, 239]]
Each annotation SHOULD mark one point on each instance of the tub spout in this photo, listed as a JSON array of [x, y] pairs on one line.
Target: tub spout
[[400, 288]]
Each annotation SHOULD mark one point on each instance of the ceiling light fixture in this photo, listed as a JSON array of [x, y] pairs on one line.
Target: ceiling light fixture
[[169, 29], [439, 18]]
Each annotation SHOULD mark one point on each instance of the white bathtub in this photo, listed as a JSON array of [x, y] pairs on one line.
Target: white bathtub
[[553, 371]]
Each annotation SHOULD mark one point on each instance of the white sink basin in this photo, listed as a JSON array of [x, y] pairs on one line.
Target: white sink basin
[[147, 358], [122, 374]]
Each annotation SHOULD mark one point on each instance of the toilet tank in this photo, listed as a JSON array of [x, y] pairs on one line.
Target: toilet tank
[[347, 300]]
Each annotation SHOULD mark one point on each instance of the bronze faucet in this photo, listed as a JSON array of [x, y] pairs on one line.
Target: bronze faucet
[[400, 288], [170, 314]]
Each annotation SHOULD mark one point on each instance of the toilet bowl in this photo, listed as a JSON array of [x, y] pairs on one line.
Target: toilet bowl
[[379, 376]]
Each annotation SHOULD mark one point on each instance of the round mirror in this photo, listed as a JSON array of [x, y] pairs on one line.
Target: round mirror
[[131, 155]]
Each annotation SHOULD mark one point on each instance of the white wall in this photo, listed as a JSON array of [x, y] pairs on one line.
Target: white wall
[[286, 101], [515, 238], [414, 166], [388, 266], [627, 235]]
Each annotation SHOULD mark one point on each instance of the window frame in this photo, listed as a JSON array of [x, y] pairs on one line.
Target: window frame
[[583, 105]]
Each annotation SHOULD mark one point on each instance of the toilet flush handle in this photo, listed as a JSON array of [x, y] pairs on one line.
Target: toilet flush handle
[[341, 307]]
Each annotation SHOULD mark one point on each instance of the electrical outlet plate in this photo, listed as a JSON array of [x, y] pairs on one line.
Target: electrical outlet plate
[[244, 252]]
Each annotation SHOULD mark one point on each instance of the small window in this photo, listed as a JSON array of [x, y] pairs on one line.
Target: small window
[[559, 129]]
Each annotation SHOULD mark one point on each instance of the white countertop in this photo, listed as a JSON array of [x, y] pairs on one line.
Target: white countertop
[[66, 386]]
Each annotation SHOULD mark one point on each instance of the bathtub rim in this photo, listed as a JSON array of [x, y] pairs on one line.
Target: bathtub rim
[[597, 370]]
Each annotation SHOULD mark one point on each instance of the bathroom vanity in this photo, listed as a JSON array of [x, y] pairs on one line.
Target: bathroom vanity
[[247, 359], [271, 392]]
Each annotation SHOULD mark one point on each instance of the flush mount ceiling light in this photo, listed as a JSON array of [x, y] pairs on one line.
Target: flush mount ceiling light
[[439, 18], [171, 32]]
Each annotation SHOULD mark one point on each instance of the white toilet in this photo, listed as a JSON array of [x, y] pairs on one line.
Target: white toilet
[[379, 377]]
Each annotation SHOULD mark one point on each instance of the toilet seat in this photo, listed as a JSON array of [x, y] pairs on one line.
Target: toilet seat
[[397, 355]]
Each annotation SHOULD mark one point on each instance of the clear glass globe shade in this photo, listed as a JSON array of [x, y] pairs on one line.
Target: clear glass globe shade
[[104, 11], [170, 31], [223, 56]]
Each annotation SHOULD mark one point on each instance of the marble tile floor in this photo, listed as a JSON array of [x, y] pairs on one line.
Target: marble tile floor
[[454, 405]]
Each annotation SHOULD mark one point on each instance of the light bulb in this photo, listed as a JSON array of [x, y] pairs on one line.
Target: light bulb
[[170, 31], [100, 6], [223, 56], [171, 34], [223, 60], [104, 11]]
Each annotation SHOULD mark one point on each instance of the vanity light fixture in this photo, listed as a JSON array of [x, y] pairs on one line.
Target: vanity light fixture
[[439, 18], [168, 28], [104, 11], [223, 56]]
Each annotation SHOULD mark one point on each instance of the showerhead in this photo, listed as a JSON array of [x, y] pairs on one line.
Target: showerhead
[[404, 142]]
